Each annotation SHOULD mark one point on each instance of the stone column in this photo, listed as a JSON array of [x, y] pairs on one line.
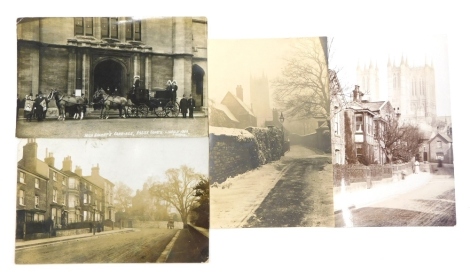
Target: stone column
[[86, 72], [136, 66], [182, 68], [71, 73], [148, 72], [97, 27]]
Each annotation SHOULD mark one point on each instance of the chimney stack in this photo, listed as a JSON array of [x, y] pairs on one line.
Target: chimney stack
[[95, 171], [357, 94], [67, 164], [50, 160], [30, 154], [78, 171]]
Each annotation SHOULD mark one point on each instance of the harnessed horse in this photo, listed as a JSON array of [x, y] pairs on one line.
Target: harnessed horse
[[65, 100], [108, 102]]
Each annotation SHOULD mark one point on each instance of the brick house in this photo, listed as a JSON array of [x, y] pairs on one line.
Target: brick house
[[221, 116], [79, 55], [362, 120], [338, 105], [104, 191], [440, 148], [46, 193], [33, 186], [240, 111]]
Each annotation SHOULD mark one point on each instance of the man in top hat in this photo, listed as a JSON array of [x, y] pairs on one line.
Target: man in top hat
[[40, 106], [184, 106], [191, 105], [136, 82]]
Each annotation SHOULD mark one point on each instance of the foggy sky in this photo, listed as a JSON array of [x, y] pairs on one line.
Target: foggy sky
[[130, 161]]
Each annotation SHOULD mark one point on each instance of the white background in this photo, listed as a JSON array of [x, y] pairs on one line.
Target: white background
[[302, 250]]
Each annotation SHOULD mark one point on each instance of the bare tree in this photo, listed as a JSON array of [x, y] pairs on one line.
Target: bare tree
[[302, 91], [398, 142], [122, 197], [178, 190]]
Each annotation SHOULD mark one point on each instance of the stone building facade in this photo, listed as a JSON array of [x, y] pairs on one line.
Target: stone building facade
[[78, 55]]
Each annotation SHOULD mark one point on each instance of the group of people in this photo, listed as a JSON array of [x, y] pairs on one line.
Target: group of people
[[187, 104], [33, 107]]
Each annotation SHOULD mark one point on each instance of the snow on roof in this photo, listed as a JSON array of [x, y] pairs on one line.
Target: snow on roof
[[373, 106], [224, 109], [230, 132], [240, 102]]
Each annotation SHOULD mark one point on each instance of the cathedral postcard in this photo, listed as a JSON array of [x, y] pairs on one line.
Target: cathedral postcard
[[392, 131], [112, 77], [270, 147]]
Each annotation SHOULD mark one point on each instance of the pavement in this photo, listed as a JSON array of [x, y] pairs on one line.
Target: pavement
[[91, 113], [21, 244], [346, 199], [191, 246]]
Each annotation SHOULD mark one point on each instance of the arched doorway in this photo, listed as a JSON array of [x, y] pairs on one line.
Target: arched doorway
[[197, 79], [111, 75]]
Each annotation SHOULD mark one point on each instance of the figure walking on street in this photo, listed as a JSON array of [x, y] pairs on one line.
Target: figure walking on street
[[191, 105], [416, 167], [184, 106]]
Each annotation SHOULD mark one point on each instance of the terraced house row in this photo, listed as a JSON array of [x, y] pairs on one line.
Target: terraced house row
[[59, 195]]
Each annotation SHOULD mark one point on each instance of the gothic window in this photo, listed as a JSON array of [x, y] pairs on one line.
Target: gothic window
[[83, 26]]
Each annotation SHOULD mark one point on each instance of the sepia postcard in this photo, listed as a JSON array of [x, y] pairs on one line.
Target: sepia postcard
[[269, 153], [392, 131], [112, 201], [112, 77]]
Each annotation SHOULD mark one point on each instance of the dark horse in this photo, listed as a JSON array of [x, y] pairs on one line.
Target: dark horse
[[65, 100], [107, 102]]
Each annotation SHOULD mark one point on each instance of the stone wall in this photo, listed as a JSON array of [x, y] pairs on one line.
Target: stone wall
[[68, 232]]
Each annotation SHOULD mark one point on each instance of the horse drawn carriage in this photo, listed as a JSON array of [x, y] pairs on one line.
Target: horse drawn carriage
[[161, 102]]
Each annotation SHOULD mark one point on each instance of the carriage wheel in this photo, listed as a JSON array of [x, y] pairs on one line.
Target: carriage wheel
[[142, 111], [173, 109]]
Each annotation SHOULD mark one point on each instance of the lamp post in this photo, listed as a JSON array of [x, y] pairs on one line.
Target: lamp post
[[281, 119], [94, 213]]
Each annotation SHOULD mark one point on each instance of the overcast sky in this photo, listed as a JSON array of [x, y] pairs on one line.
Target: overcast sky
[[347, 52], [233, 61], [130, 161]]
